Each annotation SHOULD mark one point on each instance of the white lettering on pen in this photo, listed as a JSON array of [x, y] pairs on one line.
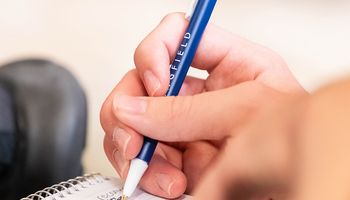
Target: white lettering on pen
[[180, 53], [173, 67], [187, 35]]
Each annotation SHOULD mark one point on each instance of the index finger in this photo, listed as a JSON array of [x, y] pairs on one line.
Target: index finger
[[228, 58], [155, 53]]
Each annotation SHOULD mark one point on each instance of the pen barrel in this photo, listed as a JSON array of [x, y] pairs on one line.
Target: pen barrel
[[182, 62], [148, 147], [189, 45]]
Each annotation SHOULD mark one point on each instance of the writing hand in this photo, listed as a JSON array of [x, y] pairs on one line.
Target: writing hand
[[244, 78]]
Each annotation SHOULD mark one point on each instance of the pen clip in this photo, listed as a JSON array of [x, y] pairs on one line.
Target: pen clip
[[191, 9]]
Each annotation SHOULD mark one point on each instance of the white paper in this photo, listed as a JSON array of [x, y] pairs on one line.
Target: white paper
[[110, 189]]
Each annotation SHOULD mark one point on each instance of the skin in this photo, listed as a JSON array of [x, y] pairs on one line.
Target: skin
[[300, 150], [244, 80]]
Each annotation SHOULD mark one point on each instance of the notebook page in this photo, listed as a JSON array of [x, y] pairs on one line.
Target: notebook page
[[106, 190]]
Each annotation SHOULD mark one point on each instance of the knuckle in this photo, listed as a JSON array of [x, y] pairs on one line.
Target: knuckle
[[139, 51], [175, 16]]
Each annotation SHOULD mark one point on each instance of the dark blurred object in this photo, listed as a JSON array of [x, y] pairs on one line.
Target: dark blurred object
[[43, 127]]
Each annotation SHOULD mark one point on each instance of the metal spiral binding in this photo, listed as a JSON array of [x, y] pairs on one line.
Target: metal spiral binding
[[64, 186]]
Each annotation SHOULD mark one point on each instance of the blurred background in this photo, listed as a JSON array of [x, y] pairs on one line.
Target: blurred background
[[96, 39]]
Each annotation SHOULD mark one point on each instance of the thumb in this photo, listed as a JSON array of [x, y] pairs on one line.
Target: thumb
[[206, 116]]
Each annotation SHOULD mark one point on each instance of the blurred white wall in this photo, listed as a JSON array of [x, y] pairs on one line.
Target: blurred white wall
[[96, 39]]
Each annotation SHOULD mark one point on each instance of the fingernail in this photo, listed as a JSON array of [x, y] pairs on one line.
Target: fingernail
[[129, 104], [121, 138], [120, 162], [152, 82], [165, 182]]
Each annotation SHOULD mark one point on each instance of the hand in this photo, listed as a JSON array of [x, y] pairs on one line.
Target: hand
[[300, 150], [258, 163], [244, 78]]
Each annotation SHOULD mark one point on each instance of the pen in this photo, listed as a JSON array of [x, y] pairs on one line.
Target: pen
[[198, 14]]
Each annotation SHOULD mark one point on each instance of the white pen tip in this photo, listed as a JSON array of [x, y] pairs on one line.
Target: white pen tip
[[137, 168]]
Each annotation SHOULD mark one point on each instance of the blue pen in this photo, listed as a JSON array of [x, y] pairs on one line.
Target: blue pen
[[198, 14]]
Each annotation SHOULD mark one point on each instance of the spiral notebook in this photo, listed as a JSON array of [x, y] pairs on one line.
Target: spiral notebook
[[91, 187]]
